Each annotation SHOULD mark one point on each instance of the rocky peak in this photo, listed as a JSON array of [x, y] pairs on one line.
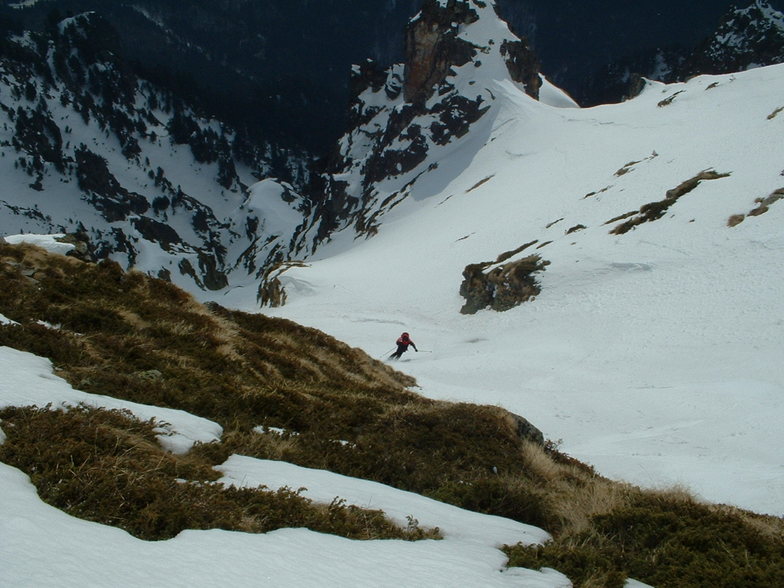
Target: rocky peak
[[746, 38], [433, 46], [439, 39], [457, 52]]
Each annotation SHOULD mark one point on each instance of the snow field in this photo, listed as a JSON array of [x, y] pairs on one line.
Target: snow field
[[653, 355]]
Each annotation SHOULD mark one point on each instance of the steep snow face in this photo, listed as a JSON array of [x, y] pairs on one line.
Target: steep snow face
[[89, 148], [653, 350], [409, 118]]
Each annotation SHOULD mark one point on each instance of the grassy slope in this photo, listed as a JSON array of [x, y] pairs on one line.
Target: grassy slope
[[141, 339]]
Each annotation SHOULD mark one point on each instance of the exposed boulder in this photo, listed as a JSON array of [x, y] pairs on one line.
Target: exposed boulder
[[525, 430], [500, 286]]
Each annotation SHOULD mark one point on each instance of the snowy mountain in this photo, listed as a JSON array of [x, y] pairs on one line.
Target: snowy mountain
[[645, 237], [90, 148], [612, 274], [410, 117], [746, 38]]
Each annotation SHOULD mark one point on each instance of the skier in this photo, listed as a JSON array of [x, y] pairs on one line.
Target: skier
[[402, 346]]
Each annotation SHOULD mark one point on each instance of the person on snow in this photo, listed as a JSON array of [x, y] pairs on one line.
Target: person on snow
[[402, 346]]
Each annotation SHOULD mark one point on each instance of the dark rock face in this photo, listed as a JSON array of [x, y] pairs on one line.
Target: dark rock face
[[390, 162], [747, 37], [37, 133], [401, 117], [455, 117], [87, 129], [158, 232], [523, 66], [103, 190], [503, 287], [432, 47]]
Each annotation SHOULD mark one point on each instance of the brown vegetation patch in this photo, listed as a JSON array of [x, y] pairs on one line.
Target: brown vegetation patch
[[621, 217], [479, 183], [629, 166], [763, 205], [105, 466], [589, 194], [775, 113], [663, 539], [735, 220], [626, 168], [656, 210], [667, 101]]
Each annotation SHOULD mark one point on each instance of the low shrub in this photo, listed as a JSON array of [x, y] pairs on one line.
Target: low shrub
[[106, 466], [665, 540]]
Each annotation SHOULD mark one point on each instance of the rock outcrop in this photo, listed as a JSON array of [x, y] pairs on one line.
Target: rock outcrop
[[433, 47], [500, 286]]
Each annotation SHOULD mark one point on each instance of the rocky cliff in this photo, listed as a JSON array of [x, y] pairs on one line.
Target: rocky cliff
[[405, 116]]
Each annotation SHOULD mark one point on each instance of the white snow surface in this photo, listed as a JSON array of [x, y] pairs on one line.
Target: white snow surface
[[4, 320], [48, 242], [455, 523], [653, 355], [38, 548]]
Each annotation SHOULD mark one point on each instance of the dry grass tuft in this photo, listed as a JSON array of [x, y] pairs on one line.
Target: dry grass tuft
[[655, 210]]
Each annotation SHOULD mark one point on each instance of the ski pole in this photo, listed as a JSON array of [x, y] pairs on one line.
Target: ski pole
[[386, 353]]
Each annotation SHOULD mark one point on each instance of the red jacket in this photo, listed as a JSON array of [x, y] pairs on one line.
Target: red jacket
[[405, 341]]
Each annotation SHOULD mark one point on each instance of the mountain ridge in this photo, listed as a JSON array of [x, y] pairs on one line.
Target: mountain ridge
[[140, 175]]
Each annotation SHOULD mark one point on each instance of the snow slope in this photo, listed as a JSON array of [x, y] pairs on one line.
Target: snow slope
[[653, 355]]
